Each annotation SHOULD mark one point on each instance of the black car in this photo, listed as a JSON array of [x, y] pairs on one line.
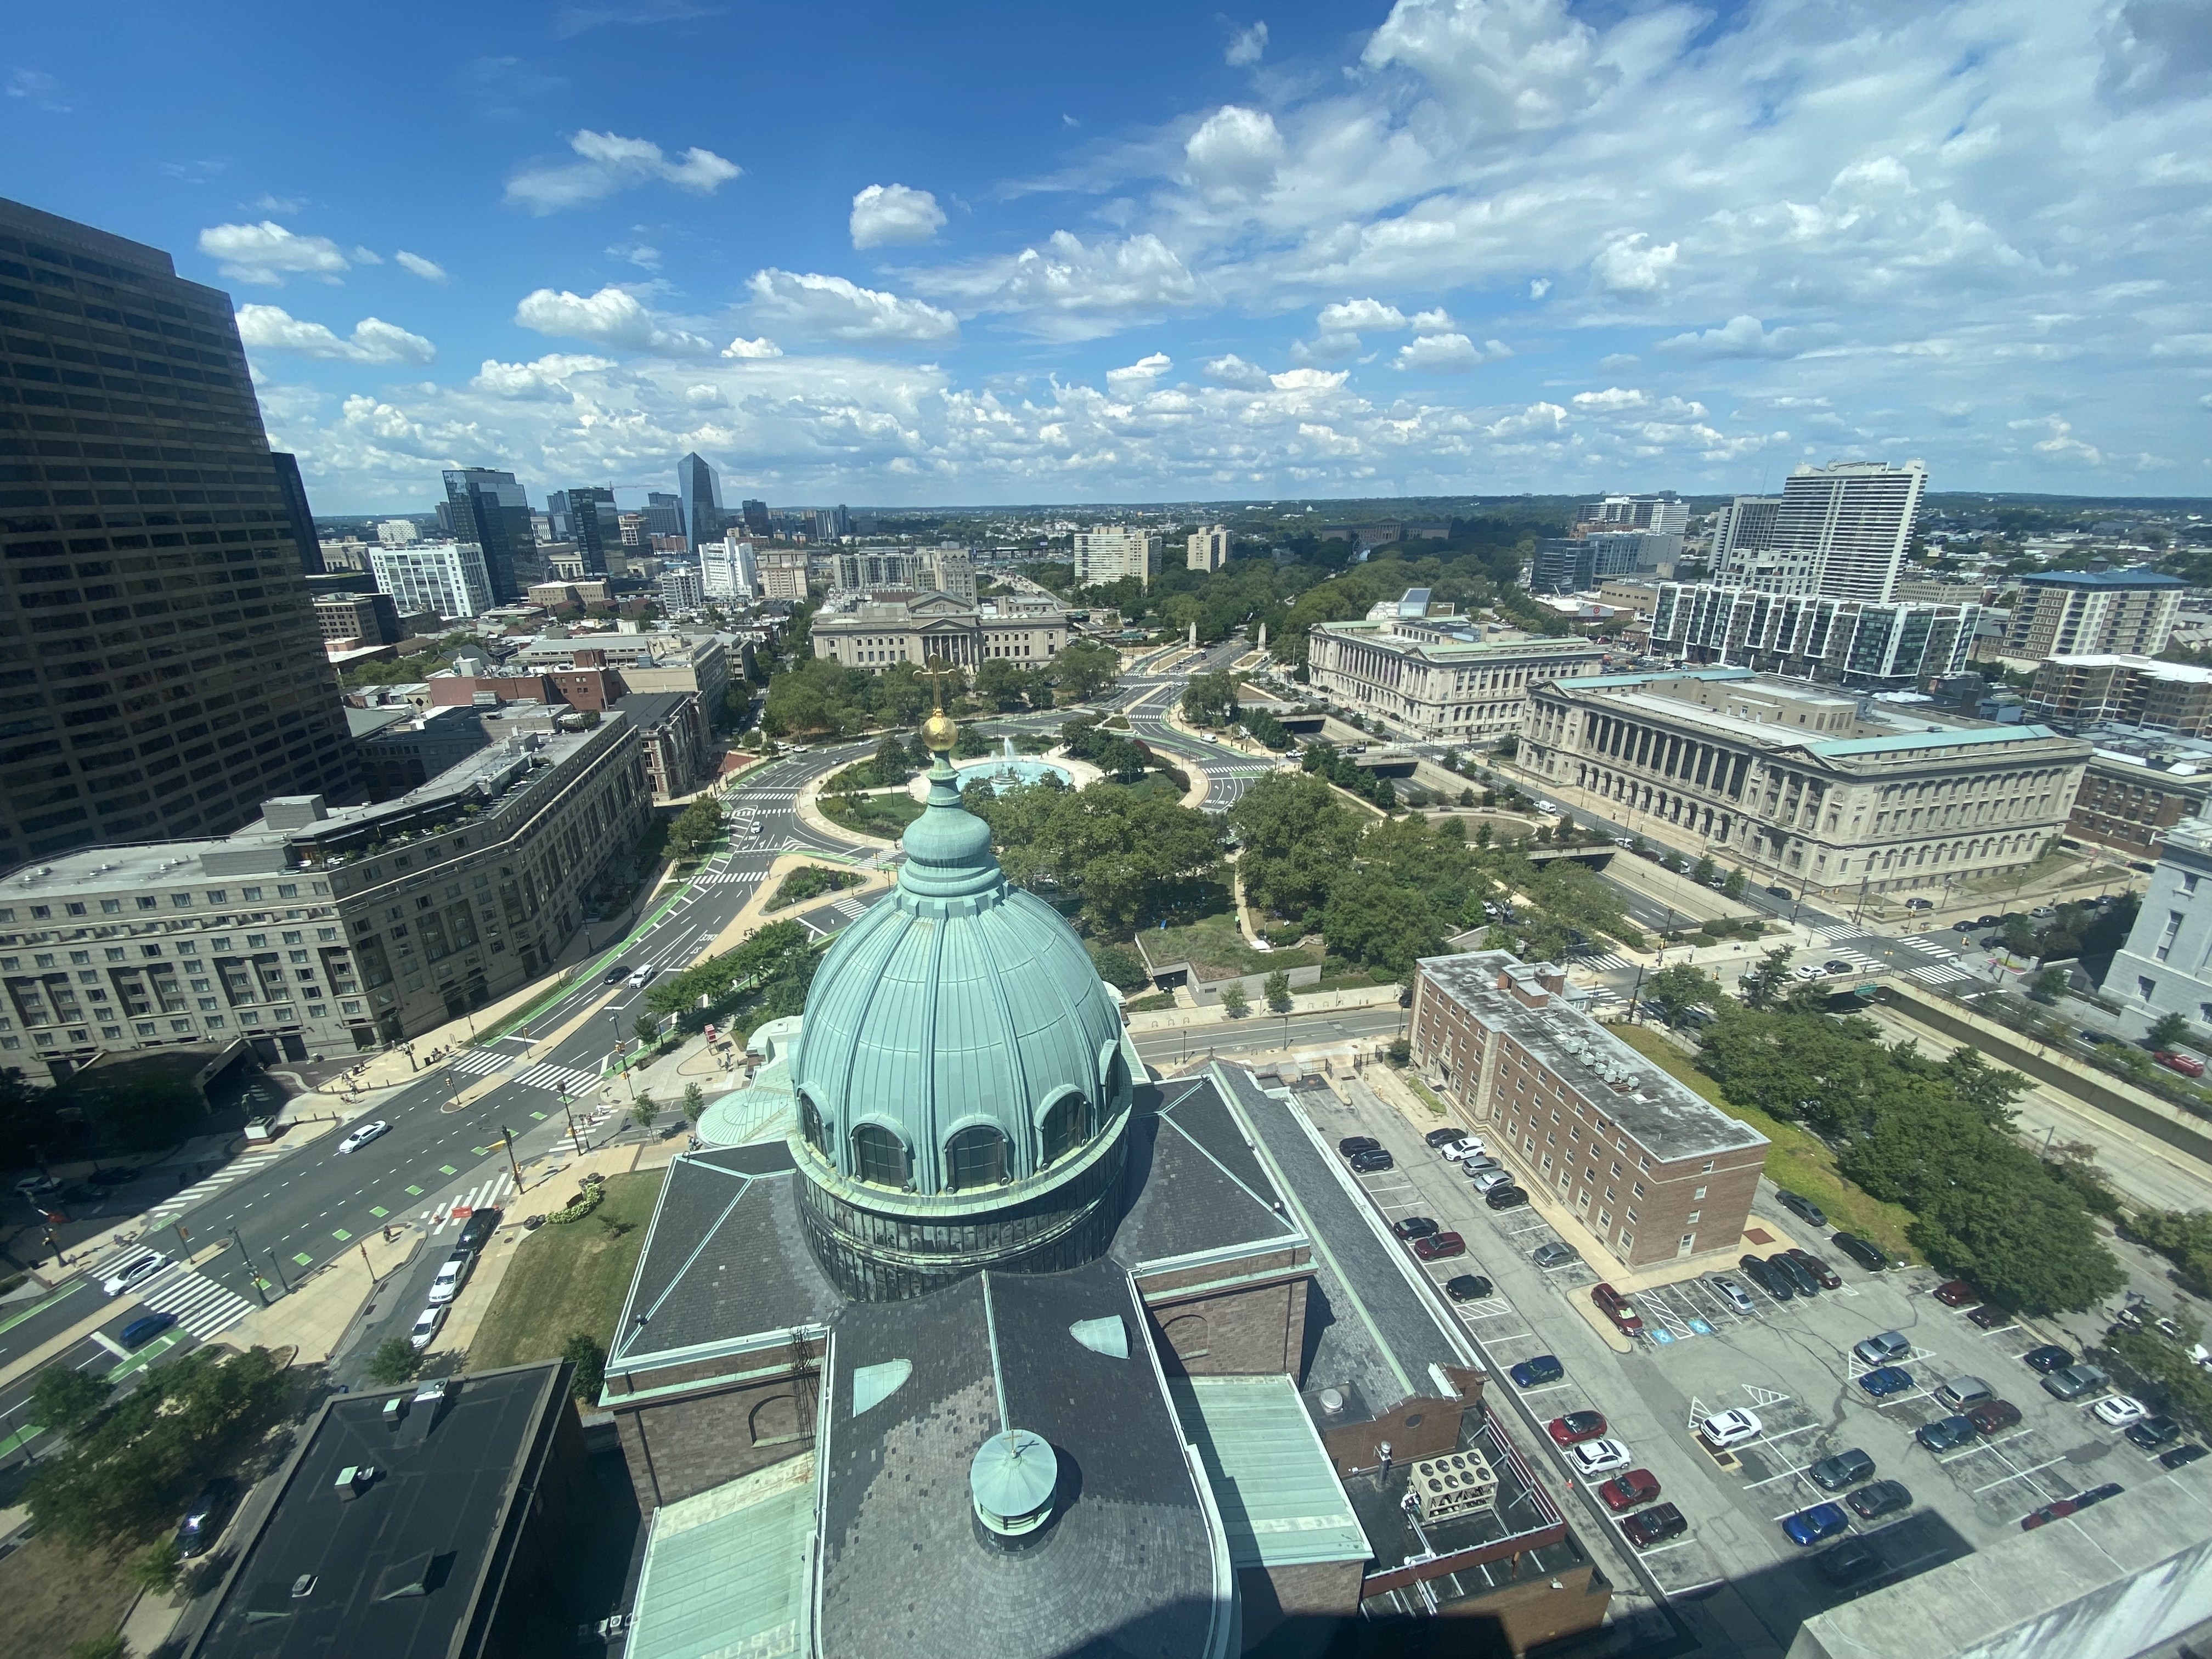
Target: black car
[[477, 1229], [1797, 1204], [1505, 1198], [615, 974], [1467, 1287], [1866, 1255], [2181, 1456], [1755, 1268], [2098, 1494], [1374, 1159], [1880, 1498], [1854, 1561], [203, 1522], [2153, 1432], [1845, 1468], [1652, 1526], [1435, 1138], [1415, 1226], [116, 1177], [1353, 1146], [1799, 1275], [2047, 1359]]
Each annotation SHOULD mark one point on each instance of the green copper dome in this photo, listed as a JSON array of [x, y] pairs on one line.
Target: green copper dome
[[958, 1044]]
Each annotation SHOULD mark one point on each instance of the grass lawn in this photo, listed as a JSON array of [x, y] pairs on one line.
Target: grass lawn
[[567, 1279], [51, 1599], [871, 815], [811, 881], [1150, 1004], [1422, 1092], [1217, 951], [1798, 1159]]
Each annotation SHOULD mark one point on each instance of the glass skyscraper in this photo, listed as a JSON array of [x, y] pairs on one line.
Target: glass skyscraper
[[297, 513], [699, 494], [593, 523], [490, 509]]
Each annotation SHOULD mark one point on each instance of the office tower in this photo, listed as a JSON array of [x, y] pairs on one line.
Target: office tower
[[1113, 551], [1741, 528], [297, 514], [664, 514], [593, 525], [556, 517], [2093, 612], [631, 526], [755, 517], [164, 671], [446, 577], [358, 619], [1839, 531], [831, 524], [489, 509], [727, 569], [699, 500], [1577, 564], [1207, 550]]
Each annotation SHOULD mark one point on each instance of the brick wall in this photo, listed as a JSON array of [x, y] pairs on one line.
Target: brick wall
[[1250, 1332], [677, 1448], [1422, 1427]]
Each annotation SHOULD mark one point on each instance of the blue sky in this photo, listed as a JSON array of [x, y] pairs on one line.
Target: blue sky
[[886, 254]]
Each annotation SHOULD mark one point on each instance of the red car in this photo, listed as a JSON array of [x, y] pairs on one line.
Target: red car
[[1989, 1318], [2187, 1065], [1628, 1489], [1437, 1246], [1576, 1427], [1955, 1293], [1991, 1415], [1823, 1274], [1616, 1305], [2048, 1513]]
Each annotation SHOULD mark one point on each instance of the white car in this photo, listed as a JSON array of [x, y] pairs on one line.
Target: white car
[[642, 977], [2118, 1410], [1599, 1456], [1547, 807], [426, 1326], [361, 1137], [1730, 1428], [1469, 1146], [452, 1273], [1809, 970], [1731, 1293], [134, 1273]]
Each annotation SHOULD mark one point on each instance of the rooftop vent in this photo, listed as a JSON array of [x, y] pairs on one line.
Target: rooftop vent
[[1011, 1482]]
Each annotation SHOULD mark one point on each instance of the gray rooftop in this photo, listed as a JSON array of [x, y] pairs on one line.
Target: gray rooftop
[[1664, 1118]]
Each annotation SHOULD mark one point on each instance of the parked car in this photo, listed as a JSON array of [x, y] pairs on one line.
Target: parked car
[[121, 1175], [1845, 1468], [1880, 1498], [1553, 1254], [478, 1230], [1481, 1164], [2187, 1065], [361, 1137], [1599, 1456], [1872, 1257], [426, 1327], [1438, 1247], [2072, 1382], [2153, 1432], [1372, 1162], [1799, 1275], [1995, 1416], [1576, 1427], [1467, 1287], [1919, 904], [1487, 1182], [1756, 1270], [1443, 1136], [1823, 1275], [145, 1328], [1855, 1561], [1654, 1526], [1988, 1317], [1956, 1293], [1988, 921], [1505, 1198], [1628, 1489], [2098, 1494], [1615, 1303], [1535, 1372], [37, 1186], [1415, 1226], [134, 1271], [1963, 1393], [1466, 1147], [1353, 1146], [2047, 1359], [1730, 1428], [1946, 1433], [2053, 1511], [1816, 1525], [204, 1518], [1883, 1347], [1886, 1380], [2180, 1456], [452, 1273], [1731, 1293], [2117, 1411]]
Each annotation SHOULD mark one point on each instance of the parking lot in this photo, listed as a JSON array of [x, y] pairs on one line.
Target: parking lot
[[1791, 1361]]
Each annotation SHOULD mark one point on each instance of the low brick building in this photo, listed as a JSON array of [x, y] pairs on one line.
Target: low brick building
[[593, 690], [1656, 1173]]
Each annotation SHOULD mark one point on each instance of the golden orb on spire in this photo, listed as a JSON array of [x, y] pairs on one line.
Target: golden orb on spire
[[938, 733]]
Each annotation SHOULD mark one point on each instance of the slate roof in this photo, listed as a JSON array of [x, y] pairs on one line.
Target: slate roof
[[1133, 1563], [1195, 1183]]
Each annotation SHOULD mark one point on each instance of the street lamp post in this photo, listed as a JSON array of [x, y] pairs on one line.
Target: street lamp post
[[252, 1272]]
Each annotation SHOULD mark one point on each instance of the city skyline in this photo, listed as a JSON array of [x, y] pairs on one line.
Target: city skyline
[[1463, 248]]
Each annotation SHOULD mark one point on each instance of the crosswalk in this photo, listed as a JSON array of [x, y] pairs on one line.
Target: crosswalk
[[1941, 975], [850, 907], [192, 1195], [439, 1217], [561, 1079], [478, 1062], [202, 1306], [1604, 962], [1934, 947]]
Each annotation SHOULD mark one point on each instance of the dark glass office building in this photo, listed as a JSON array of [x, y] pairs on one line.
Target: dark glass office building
[[297, 513], [700, 494], [593, 523], [161, 673], [490, 509]]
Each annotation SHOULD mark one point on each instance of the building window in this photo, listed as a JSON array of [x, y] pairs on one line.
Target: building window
[[1637, 1189], [1690, 1220], [880, 1156], [2145, 987], [1699, 1194], [1707, 1170], [1627, 1239], [1689, 1242]]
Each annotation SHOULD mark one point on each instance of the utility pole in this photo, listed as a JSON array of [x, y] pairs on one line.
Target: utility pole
[[508, 1134], [252, 1272], [375, 1282], [574, 1139]]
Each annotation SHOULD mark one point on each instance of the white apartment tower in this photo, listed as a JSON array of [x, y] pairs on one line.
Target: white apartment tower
[[1109, 552], [728, 568], [1836, 533], [1207, 550], [446, 577]]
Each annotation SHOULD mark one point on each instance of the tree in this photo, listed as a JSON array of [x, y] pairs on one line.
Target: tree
[[1734, 884], [1279, 991], [2018, 936], [1401, 1051], [2051, 983], [65, 1400], [2168, 1030], [647, 1029], [1083, 668], [1210, 698], [644, 1110], [1706, 870], [1673, 992], [583, 1351], [156, 1569], [110, 1646], [1233, 999], [697, 828], [1761, 986], [396, 1360], [1119, 966], [695, 1104]]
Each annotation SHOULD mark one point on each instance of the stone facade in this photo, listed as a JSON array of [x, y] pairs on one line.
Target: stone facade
[[882, 631], [1434, 686]]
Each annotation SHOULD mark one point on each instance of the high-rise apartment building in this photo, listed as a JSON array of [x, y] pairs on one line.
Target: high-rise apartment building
[[831, 523], [445, 578], [490, 509], [397, 533], [755, 518], [2093, 612], [1206, 549], [1109, 552], [1743, 527], [1665, 513], [594, 527], [699, 500], [163, 671], [728, 568], [1839, 531], [785, 575], [948, 570], [297, 513], [867, 568], [682, 587]]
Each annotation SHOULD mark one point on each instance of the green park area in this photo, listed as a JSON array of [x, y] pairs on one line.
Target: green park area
[[1216, 949], [568, 1279]]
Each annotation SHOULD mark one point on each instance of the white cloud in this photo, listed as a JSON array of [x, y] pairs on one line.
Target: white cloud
[[1539, 287], [272, 328], [610, 163], [613, 316], [1246, 47], [643, 255], [367, 256], [39, 88], [885, 214], [1137, 378], [1499, 65], [1742, 335], [1068, 289], [1613, 397], [763, 347], [1351, 316], [1308, 380], [266, 253], [575, 19], [1234, 152], [1631, 264], [1537, 418], [428, 270], [1447, 354], [267, 204], [1233, 371], [546, 378], [832, 308]]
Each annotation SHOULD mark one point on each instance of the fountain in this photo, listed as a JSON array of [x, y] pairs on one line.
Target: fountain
[[1009, 770]]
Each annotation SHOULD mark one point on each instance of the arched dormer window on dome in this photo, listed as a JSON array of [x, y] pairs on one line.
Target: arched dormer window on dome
[[809, 1124], [880, 1157], [975, 1157], [1065, 1125], [1113, 1078]]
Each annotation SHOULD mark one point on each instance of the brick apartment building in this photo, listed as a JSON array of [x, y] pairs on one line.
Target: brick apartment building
[[594, 690], [1655, 1172]]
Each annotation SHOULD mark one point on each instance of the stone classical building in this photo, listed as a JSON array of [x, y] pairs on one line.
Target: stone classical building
[[1440, 680], [1802, 785], [2093, 612], [2165, 967], [1653, 1170], [886, 628], [322, 929]]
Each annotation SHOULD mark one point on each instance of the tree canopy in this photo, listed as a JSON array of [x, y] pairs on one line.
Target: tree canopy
[[1130, 858]]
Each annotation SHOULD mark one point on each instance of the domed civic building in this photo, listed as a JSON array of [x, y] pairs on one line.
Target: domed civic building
[[972, 1337]]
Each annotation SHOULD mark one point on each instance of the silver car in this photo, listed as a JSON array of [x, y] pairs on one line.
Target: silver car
[[1552, 1255], [1489, 1179], [1731, 1293]]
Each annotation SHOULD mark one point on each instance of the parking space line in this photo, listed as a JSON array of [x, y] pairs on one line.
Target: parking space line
[[1664, 1548], [2022, 1474], [1790, 1475]]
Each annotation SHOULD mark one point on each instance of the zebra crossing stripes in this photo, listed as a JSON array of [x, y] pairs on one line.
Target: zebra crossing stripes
[[1605, 963], [198, 1190], [477, 1197], [478, 1062], [202, 1306], [1941, 975], [849, 907], [561, 1079]]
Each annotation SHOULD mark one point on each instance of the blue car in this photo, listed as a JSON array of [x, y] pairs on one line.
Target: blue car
[[1533, 1373], [1946, 1433], [1822, 1521], [1886, 1380], [139, 1332]]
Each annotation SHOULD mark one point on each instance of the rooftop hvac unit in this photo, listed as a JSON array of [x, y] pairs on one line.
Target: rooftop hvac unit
[[1453, 1484]]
